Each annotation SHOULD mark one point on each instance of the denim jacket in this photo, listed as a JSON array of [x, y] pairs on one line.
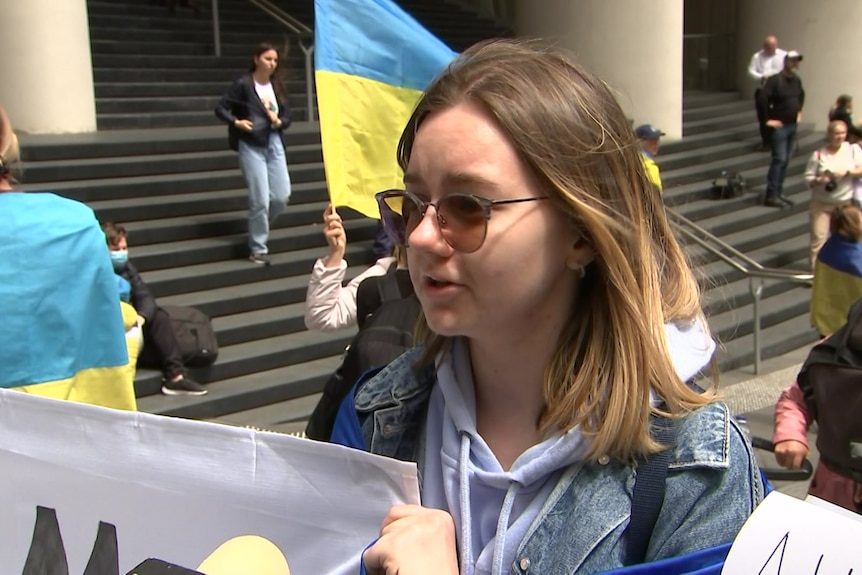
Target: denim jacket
[[712, 487]]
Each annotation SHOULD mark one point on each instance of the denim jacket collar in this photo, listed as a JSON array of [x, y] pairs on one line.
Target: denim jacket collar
[[581, 525]]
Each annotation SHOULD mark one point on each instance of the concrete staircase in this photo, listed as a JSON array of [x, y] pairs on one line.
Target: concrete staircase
[[719, 134], [179, 192], [153, 69]]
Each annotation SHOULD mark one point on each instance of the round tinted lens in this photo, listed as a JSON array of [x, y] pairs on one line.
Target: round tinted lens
[[463, 222], [390, 213], [411, 212]]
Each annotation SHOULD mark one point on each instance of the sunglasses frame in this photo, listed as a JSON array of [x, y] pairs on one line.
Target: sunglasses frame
[[485, 203]]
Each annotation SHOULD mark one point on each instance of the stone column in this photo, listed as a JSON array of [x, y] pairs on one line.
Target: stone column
[[46, 71], [633, 45]]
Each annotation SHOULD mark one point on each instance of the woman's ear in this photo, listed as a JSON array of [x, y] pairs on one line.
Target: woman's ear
[[580, 254]]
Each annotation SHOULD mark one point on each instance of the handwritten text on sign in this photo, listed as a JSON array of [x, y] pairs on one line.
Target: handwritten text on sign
[[787, 536]]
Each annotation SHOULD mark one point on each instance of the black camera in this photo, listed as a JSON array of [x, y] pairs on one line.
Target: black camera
[[832, 183]]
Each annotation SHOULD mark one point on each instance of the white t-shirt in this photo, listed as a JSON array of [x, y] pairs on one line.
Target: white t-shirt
[[763, 65], [266, 95], [848, 157]]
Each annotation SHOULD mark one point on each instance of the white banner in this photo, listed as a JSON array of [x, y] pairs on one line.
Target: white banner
[[185, 493]]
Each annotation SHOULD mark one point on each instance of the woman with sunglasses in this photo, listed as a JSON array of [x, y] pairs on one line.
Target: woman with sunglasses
[[560, 319]]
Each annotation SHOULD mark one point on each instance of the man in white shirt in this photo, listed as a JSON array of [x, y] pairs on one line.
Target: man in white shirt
[[765, 63]]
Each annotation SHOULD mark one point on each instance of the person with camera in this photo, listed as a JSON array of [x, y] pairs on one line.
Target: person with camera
[[832, 174]]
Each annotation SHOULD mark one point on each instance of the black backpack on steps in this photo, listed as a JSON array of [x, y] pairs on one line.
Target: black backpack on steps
[[386, 334], [728, 185], [195, 336]]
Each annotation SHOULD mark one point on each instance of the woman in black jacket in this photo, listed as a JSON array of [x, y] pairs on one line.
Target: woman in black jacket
[[256, 110], [843, 110]]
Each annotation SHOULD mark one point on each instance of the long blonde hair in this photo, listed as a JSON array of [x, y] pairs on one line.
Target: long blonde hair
[[572, 134]]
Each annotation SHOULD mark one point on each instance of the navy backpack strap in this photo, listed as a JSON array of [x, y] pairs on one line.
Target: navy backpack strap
[[648, 492], [388, 285]]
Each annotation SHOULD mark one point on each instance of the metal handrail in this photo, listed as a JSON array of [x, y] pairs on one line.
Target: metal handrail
[[754, 271], [295, 26], [283, 17]]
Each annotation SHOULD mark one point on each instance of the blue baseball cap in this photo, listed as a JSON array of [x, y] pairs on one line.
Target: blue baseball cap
[[648, 132]]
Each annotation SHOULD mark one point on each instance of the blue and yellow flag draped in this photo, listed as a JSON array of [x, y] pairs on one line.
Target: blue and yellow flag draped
[[837, 283], [62, 332], [372, 62]]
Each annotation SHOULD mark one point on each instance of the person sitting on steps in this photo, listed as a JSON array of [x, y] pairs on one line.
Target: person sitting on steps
[[160, 342]]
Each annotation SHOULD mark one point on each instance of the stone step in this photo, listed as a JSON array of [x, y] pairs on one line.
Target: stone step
[[742, 117], [162, 230], [246, 359], [283, 417], [205, 250], [176, 89], [144, 142], [187, 193], [247, 392], [169, 119], [134, 31], [134, 105], [154, 164]]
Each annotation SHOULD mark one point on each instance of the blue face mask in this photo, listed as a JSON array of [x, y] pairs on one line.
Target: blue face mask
[[119, 258]]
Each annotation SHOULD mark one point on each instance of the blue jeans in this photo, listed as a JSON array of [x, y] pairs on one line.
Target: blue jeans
[[265, 172], [783, 141]]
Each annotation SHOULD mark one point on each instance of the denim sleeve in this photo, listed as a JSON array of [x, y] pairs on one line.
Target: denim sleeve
[[706, 505]]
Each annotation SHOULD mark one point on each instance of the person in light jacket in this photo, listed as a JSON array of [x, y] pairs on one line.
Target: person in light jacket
[[831, 173], [329, 304]]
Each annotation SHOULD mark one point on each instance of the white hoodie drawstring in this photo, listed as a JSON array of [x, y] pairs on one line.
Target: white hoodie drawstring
[[466, 516], [503, 527]]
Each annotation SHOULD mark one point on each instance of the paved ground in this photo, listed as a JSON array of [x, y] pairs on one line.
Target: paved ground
[[755, 397]]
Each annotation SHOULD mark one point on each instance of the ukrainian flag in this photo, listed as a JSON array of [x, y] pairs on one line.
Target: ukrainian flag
[[61, 332], [372, 62], [837, 283]]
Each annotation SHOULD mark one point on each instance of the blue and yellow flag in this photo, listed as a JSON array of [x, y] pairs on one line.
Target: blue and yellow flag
[[372, 62], [62, 332], [837, 283]]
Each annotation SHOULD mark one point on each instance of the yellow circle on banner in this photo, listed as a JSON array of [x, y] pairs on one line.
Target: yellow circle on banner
[[246, 554]]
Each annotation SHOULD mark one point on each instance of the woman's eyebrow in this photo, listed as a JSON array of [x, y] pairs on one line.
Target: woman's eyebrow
[[455, 179]]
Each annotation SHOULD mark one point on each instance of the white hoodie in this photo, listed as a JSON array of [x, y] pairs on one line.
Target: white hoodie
[[493, 508]]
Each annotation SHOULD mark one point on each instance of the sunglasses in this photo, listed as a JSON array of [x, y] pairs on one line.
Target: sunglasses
[[462, 218]]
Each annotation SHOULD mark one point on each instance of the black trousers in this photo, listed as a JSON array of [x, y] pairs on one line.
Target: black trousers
[[161, 350], [765, 131]]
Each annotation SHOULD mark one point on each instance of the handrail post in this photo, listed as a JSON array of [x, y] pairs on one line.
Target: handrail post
[[309, 78], [216, 30], [755, 285]]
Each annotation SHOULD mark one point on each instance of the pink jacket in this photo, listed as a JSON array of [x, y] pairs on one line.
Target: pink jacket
[[329, 305], [792, 422]]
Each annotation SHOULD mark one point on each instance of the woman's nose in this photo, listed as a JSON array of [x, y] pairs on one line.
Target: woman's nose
[[427, 234]]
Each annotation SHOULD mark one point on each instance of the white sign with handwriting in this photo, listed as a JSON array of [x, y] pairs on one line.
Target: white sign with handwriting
[[787, 536]]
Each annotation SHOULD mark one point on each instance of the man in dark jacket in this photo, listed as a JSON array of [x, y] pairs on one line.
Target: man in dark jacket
[[781, 101], [160, 342]]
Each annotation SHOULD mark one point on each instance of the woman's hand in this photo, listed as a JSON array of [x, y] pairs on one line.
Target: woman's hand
[[244, 125], [414, 541], [336, 237], [270, 112], [790, 453], [774, 123]]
